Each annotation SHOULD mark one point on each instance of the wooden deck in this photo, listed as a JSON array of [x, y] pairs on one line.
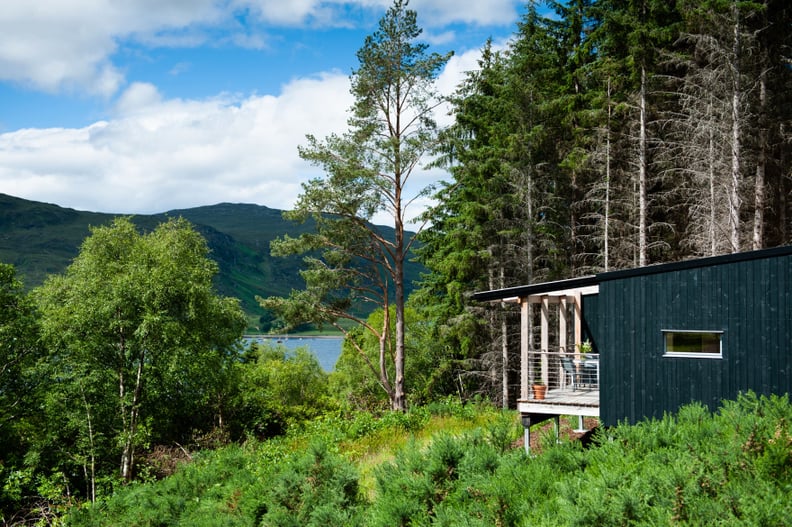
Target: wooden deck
[[563, 402]]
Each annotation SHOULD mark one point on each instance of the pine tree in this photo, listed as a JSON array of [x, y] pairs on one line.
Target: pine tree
[[368, 170]]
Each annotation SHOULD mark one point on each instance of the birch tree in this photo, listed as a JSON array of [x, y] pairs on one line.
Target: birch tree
[[127, 311], [19, 352]]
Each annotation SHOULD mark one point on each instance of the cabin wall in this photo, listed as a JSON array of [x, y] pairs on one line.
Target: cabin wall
[[750, 301], [591, 320]]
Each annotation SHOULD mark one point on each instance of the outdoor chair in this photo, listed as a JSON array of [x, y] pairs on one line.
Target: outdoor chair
[[589, 374], [571, 371]]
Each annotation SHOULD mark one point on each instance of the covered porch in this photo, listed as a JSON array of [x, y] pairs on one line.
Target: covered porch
[[553, 351], [570, 381]]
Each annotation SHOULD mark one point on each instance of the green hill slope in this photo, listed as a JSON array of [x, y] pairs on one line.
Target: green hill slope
[[41, 239], [459, 467]]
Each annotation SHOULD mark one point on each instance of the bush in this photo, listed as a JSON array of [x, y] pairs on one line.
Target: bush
[[690, 469], [733, 467], [317, 489]]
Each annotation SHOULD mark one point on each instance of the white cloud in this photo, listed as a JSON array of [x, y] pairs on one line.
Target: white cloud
[[154, 153], [481, 12], [54, 45], [293, 12], [158, 154]]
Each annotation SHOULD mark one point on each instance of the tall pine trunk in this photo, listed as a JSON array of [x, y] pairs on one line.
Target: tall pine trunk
[[759, 184], [504, 352], [642, 169], [606, 227], [399, 402], [734, 188]]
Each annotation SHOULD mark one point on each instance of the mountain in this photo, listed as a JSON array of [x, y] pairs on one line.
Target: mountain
[[40, 239]]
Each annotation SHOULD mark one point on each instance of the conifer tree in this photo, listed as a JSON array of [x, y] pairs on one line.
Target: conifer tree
[[472, 230], [368, 169]]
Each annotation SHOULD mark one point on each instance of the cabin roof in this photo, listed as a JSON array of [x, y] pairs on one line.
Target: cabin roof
[[541, 288], [588, 281]]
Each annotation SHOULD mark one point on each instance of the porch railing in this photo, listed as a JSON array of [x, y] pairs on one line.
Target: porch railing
[[562, 370]]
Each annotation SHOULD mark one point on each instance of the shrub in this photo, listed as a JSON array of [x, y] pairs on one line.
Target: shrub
[[316, 488], [733, 467]]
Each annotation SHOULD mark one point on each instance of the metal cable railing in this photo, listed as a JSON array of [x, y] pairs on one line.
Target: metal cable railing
[[562, 370]]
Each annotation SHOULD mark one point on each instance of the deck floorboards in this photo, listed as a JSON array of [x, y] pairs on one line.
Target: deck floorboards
[[556, 400]]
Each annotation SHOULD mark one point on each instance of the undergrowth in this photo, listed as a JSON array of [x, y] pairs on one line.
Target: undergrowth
[[455, 466]]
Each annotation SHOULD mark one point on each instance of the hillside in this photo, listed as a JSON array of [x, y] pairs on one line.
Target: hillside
[[40, 239], [457, 465]]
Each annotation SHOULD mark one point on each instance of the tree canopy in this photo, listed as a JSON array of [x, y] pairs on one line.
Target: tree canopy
[[606, 135], [134, 328]]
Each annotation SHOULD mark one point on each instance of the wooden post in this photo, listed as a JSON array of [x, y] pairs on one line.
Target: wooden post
[[525, 321], [563, 336], [563, 323], [545, 336], [578, 321]]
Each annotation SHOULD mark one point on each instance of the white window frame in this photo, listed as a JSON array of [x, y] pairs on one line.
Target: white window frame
[[694, 354]]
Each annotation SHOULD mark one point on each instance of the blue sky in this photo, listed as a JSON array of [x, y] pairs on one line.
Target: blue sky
[[143, 106]]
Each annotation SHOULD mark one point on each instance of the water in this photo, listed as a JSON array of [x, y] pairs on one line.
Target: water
[[325, 349]]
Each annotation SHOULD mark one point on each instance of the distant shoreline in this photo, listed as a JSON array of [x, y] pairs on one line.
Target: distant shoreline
[[292, 337]]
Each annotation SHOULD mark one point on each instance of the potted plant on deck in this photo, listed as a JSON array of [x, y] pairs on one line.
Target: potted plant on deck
[[584, 348], [539, 388]]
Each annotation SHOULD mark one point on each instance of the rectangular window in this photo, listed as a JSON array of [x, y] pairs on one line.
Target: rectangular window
[[693, 344]]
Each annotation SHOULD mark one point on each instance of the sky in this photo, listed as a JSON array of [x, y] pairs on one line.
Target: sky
[[146, 106]]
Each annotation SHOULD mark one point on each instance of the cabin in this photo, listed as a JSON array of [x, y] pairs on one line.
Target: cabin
[[633, 344]]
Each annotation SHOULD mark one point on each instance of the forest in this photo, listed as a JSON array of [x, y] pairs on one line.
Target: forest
[[607, 134]]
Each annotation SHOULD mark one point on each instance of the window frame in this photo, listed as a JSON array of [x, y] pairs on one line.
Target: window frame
[[693, 354]]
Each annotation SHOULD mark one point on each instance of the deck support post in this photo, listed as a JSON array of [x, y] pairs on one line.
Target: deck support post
[[528, 420], [580, 428]]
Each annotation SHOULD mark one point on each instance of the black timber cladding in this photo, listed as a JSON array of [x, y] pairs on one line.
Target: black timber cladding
[[748, 297]]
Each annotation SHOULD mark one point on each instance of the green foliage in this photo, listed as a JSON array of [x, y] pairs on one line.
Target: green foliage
[[429, 372], [353, 382], [317, 488], [18, 354], [297, 479], [204, 492], [278, 388], [139, 348], [696, 468], [20, 394], [440, 484], [690, 469]]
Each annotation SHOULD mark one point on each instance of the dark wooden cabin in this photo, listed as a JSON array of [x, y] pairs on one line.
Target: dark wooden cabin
[[660, 337]]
